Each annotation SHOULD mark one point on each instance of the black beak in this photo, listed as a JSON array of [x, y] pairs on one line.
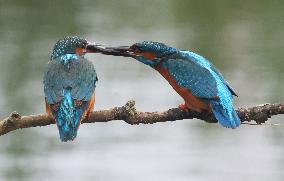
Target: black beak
[[123, 51]]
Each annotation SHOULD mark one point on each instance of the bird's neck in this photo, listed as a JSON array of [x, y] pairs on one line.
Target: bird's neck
[[67, 58]]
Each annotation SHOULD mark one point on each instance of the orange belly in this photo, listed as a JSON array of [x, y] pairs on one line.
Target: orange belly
[[48, 109], [91, 104], [191, 102], [90, 108]]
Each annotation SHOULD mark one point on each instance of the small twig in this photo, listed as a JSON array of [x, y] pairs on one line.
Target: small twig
[[260, 114]]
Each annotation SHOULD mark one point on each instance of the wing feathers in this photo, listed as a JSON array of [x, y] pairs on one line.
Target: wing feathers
[[80, 77]]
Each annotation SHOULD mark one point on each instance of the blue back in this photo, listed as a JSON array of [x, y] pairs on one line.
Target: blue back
[[79, 75], [195, 73], [66, 80]]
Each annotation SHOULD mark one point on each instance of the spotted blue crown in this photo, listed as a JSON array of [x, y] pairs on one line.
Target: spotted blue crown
[[67, 45], [159, 49]]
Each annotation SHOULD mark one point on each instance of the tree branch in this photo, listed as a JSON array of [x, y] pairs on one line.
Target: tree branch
[[260, 114]]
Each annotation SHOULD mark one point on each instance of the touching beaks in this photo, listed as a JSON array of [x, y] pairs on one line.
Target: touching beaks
[[94, 48], [124, 51]]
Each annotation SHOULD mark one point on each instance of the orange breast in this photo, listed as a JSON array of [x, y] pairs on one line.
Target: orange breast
[[92, 103], [90, 108], [191, 101], [48, 109]]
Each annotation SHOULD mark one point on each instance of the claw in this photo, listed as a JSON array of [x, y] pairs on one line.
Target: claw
[[183, 107]]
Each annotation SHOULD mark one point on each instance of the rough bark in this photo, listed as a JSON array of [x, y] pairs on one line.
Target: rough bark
[[260, 114]]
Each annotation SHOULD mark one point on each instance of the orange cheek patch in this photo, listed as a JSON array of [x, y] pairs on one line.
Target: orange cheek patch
[[147, 55], [80, 51]]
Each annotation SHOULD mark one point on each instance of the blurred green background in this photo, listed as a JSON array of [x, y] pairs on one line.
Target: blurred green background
[[244, 39]]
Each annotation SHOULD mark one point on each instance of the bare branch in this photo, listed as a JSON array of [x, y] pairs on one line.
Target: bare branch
[[259, 114]]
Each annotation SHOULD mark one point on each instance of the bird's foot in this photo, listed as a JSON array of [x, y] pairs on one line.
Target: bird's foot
[[183, 107], [88, 115], [206, 113]]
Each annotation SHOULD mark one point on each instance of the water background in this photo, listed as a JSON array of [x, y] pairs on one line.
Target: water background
[[243, 39]]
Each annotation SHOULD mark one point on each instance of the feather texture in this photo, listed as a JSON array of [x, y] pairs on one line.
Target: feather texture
[[203, 80], [79, 75], [68, 116], [69, 84]]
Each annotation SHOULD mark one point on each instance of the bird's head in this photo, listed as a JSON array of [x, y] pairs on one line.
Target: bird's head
[[71, 46], [148, 52]]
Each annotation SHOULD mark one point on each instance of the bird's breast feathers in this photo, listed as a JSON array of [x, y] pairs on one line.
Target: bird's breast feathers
[[192, 101]]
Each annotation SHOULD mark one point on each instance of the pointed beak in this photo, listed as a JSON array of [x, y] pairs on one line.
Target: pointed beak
[[123, 51], [94, 48]]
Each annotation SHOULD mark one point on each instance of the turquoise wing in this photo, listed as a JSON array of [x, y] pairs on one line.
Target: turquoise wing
[[193, 77], [79, 76], [65, 84], [200, 60], [195, 73]]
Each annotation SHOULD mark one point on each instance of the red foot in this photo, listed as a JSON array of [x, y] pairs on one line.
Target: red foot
[[54, 121], [183, 107]]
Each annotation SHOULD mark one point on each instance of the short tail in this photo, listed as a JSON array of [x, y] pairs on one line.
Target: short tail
[[68, 117], [226, 116]]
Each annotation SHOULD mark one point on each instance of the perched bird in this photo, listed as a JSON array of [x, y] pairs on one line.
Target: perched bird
[[69, 85], [192, 76]]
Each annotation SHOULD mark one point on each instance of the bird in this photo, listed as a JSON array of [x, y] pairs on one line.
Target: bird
[[191, 75], [69, 85]]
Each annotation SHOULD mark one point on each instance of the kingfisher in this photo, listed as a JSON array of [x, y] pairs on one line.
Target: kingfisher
[[192, 76], [69, 85]]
